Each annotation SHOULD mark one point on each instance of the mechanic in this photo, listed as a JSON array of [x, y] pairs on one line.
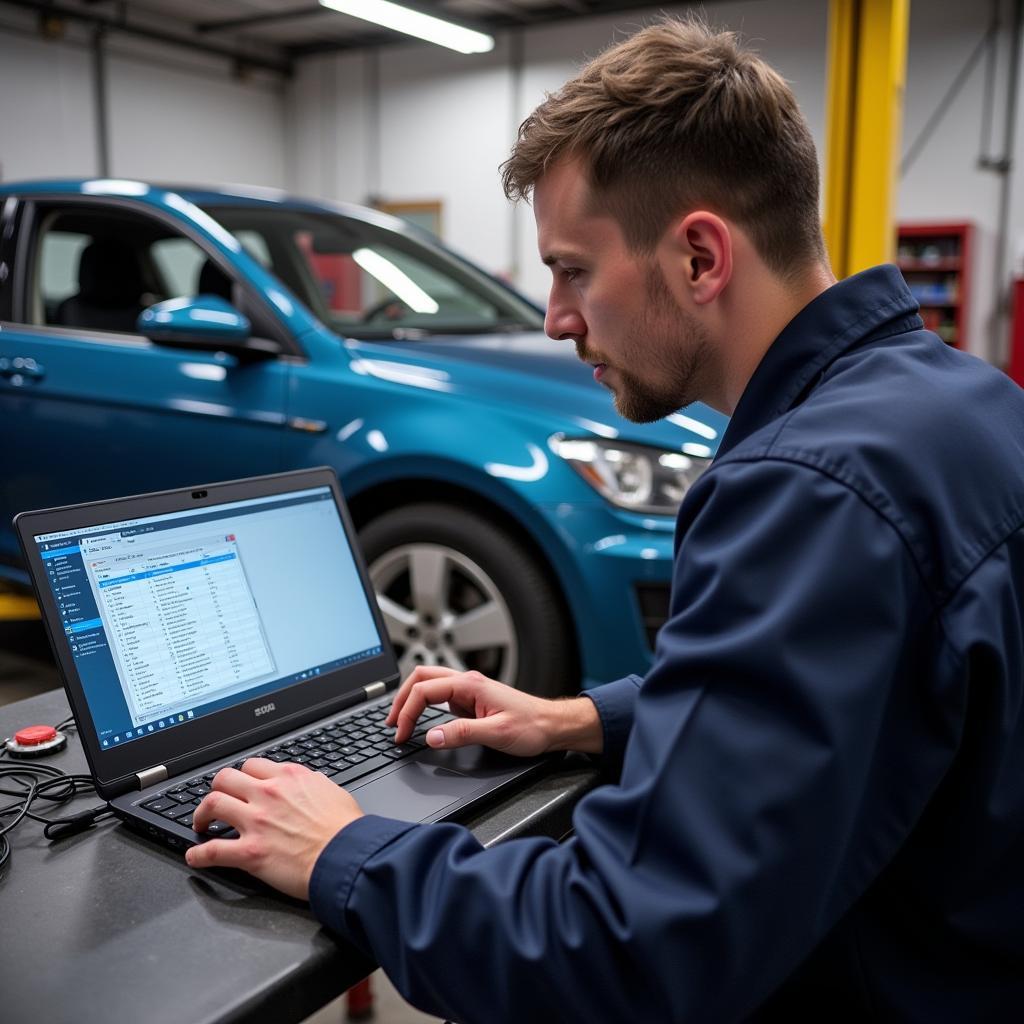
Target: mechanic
[[819, 806]]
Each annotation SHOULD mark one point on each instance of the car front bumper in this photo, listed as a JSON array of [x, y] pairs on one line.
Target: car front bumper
[[616, 570]]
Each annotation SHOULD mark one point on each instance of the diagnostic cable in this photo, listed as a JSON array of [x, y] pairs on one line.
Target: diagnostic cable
[[30, 783]]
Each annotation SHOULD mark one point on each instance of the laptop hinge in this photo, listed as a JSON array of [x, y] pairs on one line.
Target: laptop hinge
[[375, 689], [151, 776]]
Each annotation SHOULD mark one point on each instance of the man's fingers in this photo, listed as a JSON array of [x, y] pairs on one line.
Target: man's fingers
[[232, 790], [429, 691], [235, 783], [220, 806], [459, 687], [418, 675], [217, 853], [490, 731], [263, 768]]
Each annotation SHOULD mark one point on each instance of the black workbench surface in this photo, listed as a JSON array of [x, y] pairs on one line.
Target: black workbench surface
[[108, 927]]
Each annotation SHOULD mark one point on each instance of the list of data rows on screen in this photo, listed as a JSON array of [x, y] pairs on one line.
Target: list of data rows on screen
[[182, 620]]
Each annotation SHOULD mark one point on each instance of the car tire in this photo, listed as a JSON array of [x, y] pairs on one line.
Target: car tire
[[460, 591]]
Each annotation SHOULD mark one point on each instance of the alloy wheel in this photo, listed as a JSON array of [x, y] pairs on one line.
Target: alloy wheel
[[441, 608]]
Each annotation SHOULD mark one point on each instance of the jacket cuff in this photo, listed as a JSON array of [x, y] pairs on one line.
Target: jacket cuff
[[340, 862], [616, 703]]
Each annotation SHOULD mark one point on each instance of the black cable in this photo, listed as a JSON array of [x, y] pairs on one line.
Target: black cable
[[29, 783]]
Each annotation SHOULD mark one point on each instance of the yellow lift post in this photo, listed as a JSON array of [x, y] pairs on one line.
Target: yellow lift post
[[867, 51], [17, 605]]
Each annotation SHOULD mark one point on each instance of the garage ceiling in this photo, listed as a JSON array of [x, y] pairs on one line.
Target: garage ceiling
[[273, 33]]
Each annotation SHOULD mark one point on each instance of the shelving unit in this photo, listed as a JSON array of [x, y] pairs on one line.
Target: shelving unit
[[936, 261]]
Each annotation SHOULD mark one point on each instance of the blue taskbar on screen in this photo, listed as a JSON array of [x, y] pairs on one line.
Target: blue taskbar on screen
[[181, 717]]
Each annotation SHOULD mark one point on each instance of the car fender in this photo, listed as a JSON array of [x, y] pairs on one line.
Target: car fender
[[415, 472]]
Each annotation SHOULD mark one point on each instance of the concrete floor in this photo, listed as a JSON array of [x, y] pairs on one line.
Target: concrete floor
[[26, 670]]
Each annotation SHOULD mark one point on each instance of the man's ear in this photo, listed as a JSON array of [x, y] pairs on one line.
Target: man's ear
[[701, 246]]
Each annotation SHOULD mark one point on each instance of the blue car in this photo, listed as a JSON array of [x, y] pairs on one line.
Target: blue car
[[154, 337]]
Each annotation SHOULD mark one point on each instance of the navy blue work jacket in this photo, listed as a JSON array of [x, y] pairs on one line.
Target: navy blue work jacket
[[820, 811]]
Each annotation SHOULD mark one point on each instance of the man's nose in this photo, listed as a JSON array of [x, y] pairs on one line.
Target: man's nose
[[563, 322]]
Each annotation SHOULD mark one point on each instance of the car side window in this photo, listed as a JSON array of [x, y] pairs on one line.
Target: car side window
[[369, 281], [59, 258], [97, 269], [378, 282], [256, 246], [179, 262]]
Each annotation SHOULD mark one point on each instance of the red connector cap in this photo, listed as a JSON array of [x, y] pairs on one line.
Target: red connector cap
[[33, 735]]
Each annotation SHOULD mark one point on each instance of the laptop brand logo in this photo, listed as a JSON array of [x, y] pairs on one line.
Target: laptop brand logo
[[265, 709]]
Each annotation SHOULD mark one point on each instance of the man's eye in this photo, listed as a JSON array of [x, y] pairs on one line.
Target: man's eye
[[571, 273]]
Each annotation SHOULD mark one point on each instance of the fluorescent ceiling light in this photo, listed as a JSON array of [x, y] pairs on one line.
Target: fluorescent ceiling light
[[413, 23]]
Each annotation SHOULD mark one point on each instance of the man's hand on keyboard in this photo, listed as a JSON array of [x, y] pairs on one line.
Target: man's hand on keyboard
[[285, 815], [493, 714]]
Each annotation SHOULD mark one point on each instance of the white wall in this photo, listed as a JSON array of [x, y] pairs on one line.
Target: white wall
[[46, 109], [442, 136], [430, 125], [193, 123], [330, 122], [438, 125], [172, 116], [413, 122], [945, 184], [400, 124]]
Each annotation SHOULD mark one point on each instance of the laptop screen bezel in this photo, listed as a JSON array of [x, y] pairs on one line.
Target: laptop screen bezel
[[198, 741]]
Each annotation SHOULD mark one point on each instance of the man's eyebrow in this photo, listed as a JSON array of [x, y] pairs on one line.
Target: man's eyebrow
[[559, 257]]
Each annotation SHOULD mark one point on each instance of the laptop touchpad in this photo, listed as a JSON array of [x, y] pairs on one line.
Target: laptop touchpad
[[415, 791]]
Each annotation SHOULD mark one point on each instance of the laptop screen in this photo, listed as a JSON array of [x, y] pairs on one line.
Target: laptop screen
[[172, 617]]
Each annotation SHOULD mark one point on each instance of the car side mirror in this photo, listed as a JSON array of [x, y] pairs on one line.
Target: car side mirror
[[207, 323]]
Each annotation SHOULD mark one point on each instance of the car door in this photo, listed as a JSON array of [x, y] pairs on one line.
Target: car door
[[89, 408]]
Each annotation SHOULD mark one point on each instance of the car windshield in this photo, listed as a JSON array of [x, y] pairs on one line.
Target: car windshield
[[366, 281]]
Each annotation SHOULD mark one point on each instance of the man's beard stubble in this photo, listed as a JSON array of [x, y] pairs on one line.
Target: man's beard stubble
[[674, 350]]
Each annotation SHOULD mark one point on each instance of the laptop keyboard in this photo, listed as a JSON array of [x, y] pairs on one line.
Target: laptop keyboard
[[343, 751]]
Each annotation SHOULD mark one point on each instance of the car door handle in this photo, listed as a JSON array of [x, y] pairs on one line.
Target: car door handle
[[21, 370]]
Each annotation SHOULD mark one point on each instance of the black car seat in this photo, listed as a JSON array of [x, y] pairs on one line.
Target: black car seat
[[213, 281], [110, 288]]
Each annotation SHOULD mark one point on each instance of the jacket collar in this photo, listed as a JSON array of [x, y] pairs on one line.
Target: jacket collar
[[873, 303]]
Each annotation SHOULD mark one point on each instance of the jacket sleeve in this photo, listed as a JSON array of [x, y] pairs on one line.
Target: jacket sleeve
[[616, 706], [777, 759]]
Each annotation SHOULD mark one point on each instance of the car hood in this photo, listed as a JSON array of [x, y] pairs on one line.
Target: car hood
[[539, 375]]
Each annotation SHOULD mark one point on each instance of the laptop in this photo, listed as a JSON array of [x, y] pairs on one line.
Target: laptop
[[197, 627]]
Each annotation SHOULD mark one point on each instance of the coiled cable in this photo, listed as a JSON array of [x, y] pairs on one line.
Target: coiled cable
[[31, 784]]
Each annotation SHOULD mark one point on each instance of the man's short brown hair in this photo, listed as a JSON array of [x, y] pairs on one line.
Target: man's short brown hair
[[675, 118]]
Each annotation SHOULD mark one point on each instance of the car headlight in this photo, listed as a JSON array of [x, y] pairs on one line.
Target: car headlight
[[632, 476]]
